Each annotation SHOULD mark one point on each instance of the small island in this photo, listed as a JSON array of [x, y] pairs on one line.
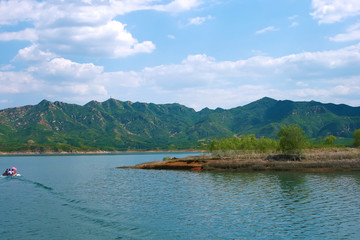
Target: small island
[[292, 152], [314, 160]]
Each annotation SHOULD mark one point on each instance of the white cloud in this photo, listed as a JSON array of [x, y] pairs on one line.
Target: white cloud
[[58, 79], [6, 67], [109, 40], [267, 29], [199, 20], [64, 70], [122, 79], [83, 28], [14, 11], [199, 80], [17, 82], [178, 5], [33, 53], [331, 11], [85, 90], [125, 6], [60, 13], [27, 34], [352, 34]]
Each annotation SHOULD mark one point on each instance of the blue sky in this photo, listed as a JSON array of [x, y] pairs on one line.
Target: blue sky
[[194, 52]]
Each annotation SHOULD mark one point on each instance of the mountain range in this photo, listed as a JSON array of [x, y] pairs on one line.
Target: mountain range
[[115, 125]]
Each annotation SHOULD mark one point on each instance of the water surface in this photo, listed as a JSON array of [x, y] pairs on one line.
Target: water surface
[[87, 197]]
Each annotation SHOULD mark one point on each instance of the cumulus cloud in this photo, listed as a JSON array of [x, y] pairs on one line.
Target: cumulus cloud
[[199, 80], [63, 70], [57, 79], [15, 11], [331, 11], [33, 54], [58, 12], [109, 40], [82, 28]]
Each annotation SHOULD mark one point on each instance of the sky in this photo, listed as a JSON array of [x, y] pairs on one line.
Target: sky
[[199, 53]]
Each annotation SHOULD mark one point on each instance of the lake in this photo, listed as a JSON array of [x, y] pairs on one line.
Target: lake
[[87, 197]]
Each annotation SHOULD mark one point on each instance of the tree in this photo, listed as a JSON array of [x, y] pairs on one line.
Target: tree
[[356, 142], [329, 140], [292, 140]]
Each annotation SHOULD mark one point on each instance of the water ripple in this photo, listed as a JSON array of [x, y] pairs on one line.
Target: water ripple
[[107, 203]]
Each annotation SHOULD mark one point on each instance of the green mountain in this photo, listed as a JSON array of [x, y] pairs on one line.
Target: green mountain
[[115, 125]]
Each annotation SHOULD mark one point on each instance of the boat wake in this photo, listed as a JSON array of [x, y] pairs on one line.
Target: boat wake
[[36, 184]]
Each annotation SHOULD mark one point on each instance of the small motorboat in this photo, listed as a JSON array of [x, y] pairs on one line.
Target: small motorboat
[[11, 172]]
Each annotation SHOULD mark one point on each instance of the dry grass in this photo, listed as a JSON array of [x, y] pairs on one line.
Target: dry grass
[[313, 160], [335, 159], [326, 154]]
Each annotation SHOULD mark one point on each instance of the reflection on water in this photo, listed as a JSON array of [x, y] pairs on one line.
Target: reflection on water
[[86, 197]]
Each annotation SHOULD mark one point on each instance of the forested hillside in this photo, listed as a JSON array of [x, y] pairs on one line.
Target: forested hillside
[[117, 126]]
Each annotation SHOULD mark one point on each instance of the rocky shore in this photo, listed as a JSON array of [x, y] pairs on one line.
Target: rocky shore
[[315, 160]]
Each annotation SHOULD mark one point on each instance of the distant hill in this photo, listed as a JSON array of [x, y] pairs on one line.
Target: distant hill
[[117, 126]]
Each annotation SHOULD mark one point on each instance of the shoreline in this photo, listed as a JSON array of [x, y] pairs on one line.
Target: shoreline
[[324, 160], [93, 152]]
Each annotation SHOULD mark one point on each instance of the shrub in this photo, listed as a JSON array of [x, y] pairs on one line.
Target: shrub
[[292, 139], [329, 140], [244, 143], [356, 142]]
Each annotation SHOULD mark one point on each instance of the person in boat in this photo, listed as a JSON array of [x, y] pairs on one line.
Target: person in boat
[[6, 173], [9, 172]]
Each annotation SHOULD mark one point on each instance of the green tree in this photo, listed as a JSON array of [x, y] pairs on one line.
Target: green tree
[[356, 142], [244, 143], [329, 140], [292, 140]]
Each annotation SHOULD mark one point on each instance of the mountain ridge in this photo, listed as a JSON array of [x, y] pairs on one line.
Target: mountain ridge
[[115, 125]]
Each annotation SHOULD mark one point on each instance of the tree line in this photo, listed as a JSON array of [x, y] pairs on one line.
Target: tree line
[[291, 140]]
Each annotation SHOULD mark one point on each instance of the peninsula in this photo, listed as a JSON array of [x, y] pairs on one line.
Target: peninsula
[[314, 160]]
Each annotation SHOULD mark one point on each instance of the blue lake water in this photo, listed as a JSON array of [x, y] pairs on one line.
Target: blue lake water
[[87, 197]]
